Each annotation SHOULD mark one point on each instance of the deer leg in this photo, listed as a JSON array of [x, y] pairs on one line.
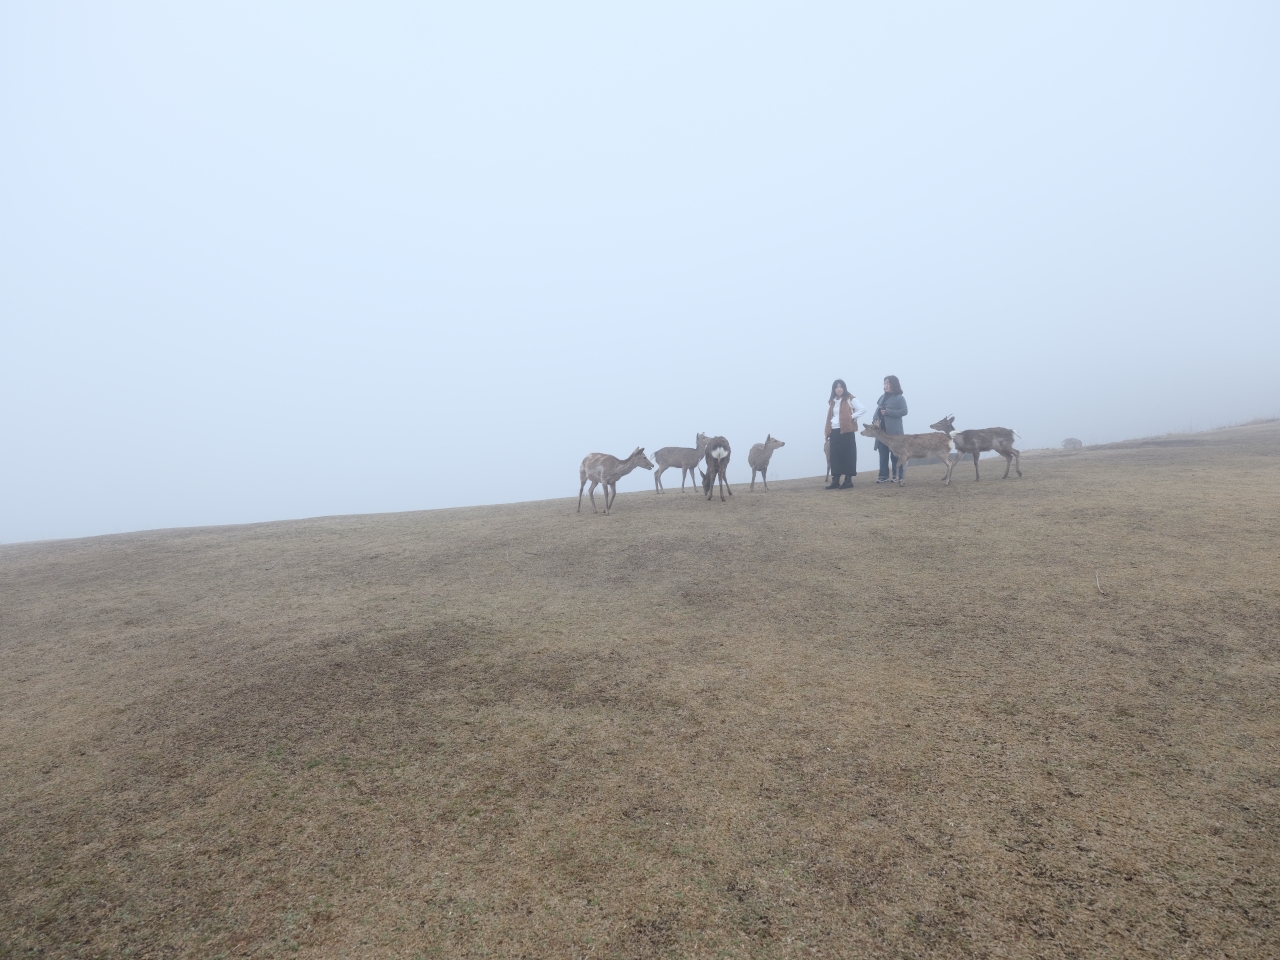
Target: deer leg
[[975, 466], [592, 494], [657, 479], [1017, 460], [1008, 462], [753, 479], [764, 477], [608, 500], [580, 489], [720, 472]]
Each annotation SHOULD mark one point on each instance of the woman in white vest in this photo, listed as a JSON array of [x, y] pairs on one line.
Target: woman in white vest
[[843, 411]]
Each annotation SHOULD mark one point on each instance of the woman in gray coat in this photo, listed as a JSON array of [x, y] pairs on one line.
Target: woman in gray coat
[[890, 409]]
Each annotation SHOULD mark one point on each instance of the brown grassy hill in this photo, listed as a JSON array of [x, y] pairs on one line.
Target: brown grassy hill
[[878, 722]]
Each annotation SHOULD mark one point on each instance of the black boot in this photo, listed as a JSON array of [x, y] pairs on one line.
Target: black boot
[[848, 483]]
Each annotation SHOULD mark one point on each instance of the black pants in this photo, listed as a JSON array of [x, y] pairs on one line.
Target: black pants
[[844, 455], [899, 469]]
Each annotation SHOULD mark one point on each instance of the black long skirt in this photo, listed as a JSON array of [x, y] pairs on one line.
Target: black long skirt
[[844, 455]]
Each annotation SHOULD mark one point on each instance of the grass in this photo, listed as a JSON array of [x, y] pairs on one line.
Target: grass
[[879, 722]]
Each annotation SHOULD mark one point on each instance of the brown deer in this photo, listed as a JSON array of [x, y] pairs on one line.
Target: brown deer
[[908, 446], [600, 468], [999, 439], [686, 458], [717, 463], [758, 458]]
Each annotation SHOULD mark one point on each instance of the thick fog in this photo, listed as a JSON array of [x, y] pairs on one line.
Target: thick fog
[[264, 261]]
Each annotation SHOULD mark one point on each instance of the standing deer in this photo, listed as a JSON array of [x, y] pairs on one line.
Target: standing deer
[[717, 463], [758, 458], [686, 458], [908, 446], [600, 468], [999, 439]]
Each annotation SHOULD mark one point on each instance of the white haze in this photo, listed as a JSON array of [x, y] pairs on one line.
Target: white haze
[[262, 261]]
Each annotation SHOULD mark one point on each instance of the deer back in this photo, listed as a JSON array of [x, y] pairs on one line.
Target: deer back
[[597, 466], [991, 438], [718, 451]]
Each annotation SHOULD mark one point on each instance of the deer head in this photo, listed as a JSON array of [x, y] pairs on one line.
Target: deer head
[[945, 424], [771, 444], [869, 429], [642, 461]]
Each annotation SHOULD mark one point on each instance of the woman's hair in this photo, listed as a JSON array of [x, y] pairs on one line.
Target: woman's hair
[[894, 385], [839, 383]]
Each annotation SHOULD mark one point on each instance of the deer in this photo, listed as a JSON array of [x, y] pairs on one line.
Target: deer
[[717, 463], [686, 458], [601, 468], [908, 446], [758, 458], [999, 439]]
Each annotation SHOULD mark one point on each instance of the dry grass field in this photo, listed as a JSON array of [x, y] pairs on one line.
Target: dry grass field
[[879, 722]]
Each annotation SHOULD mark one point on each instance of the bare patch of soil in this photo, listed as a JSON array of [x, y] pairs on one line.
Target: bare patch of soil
[[1030, 717]]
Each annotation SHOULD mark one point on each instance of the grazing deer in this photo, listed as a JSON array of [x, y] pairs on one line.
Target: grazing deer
[[600, 468], [717, 463], [686, 458], [758, 458], [908, 446], [999, 439]]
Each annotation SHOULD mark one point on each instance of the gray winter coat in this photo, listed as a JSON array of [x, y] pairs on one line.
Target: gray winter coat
[[895, 408]]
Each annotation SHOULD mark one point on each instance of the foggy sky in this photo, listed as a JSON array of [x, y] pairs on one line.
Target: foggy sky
[[262, 261]]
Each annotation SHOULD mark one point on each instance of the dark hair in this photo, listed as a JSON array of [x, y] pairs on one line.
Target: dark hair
[[839, 383], [894, 385]]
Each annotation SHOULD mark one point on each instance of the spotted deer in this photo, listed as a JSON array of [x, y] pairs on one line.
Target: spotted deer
[[601, 468], [758, 458], [999, 439], [908, 446]]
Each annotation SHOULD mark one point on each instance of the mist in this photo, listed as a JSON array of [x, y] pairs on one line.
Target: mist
[[267, 261]]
